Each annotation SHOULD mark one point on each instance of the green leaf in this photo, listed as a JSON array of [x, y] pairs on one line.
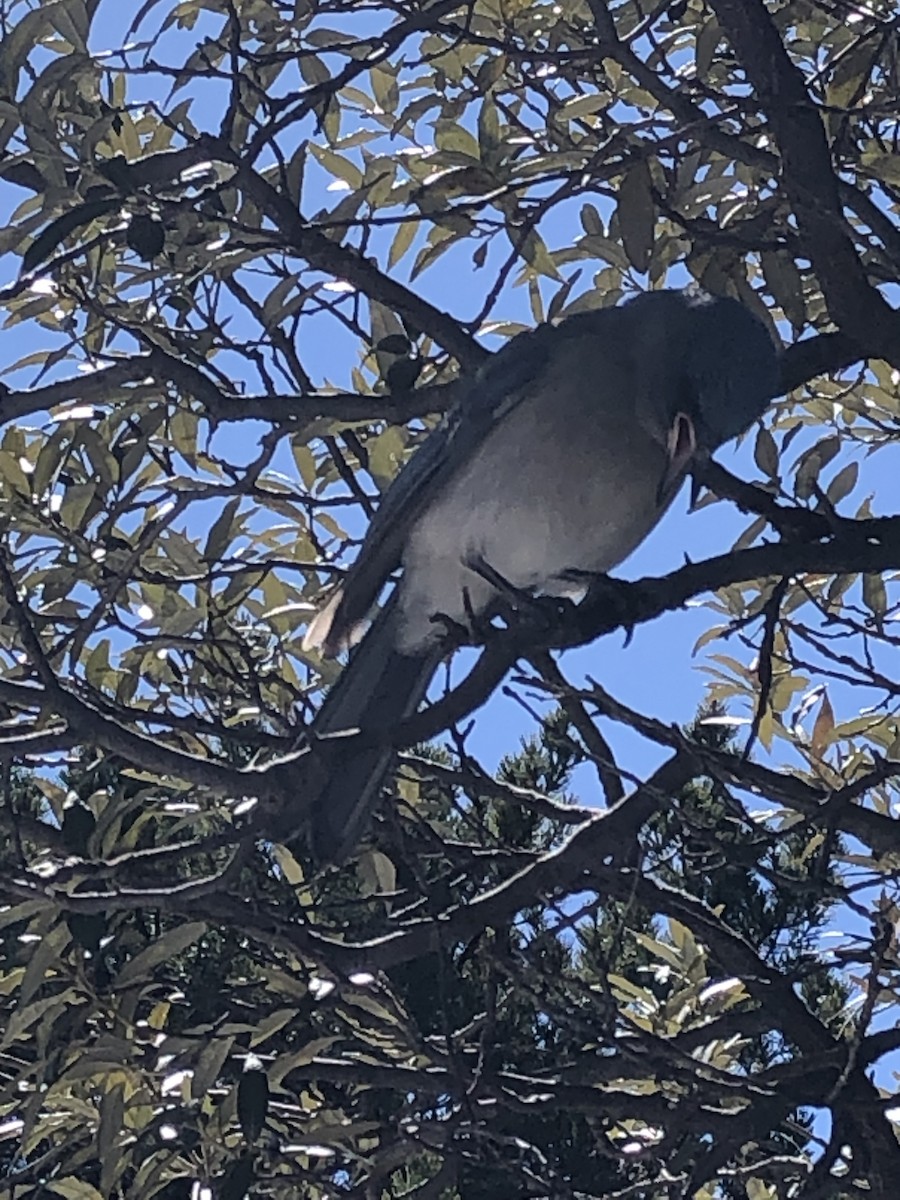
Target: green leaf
[[384, 86], [97, 666], [305, 461], [765, 453], [23, 1018], [758, 1189], [57, 231], [112, 1119], [209, 1066], [288, 865], [221, 533], [439, 241], [489, 72], [707, 43], [453, 137], [386, 453], [338, 166], [11, 471], [843, 483], [534, 250], [811, 463], [786, 285], [591, 221], [377, 872], [823, 727], [172, 943], [637, 215], [44, 961], [74, 1189], [875, 596], [76, 501], [403, 240], [583, 106], [489, 130], [883, 164], [273, 1023]]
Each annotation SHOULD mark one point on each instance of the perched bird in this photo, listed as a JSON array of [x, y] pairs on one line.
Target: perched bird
[[563, 454]]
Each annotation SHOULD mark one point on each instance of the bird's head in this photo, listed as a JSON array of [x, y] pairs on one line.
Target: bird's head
[[705, 369]]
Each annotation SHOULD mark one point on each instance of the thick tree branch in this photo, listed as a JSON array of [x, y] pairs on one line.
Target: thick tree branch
[[810, 178], [820, 355], [852, 547], [801, 363]]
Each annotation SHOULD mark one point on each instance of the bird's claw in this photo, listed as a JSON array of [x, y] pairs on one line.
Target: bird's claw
[[539, 616], [479, 566], [520, 608], [455, 634]]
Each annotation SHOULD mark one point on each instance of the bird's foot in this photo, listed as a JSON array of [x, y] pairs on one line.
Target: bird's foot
[[454, 633], [539, 617], [578, 580], [519, 608], [479, 566]]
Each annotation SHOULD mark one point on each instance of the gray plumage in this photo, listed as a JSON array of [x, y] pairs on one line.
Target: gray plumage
[[563, 455]]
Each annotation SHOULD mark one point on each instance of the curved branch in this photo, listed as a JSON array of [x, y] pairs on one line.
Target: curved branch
[[800, 363], [346, 262], [809, 177], [818, 355], [853, 547]]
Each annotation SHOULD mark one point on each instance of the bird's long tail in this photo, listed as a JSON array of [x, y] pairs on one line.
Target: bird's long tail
[[377, 690]]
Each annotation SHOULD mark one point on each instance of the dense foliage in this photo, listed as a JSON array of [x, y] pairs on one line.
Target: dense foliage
[[256, 248]]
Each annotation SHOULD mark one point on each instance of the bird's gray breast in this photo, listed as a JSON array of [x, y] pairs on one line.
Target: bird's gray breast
[[566, 481]]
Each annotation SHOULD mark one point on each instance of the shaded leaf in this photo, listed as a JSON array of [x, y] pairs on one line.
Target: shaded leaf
[[823, 726], [221, 531], [765, 452], [637, 215], [843, 483], [171, 944], [875, 596], [403, 240], [57, 231], [209, 1066], [786, 284], [253, 1098]]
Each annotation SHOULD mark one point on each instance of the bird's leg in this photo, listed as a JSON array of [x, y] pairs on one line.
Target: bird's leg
[[477, 628], [479, 623], [521, 606], [479, 566], [455, 634]]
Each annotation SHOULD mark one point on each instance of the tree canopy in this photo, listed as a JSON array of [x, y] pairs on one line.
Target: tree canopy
[[254, 249]]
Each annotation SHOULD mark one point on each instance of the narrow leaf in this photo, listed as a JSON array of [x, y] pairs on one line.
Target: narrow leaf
[[637, 215]]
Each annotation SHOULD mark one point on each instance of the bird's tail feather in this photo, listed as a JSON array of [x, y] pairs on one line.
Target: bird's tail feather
[[377, 690]]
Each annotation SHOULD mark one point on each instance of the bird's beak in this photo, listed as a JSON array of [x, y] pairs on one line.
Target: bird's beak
[[681, 446]]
